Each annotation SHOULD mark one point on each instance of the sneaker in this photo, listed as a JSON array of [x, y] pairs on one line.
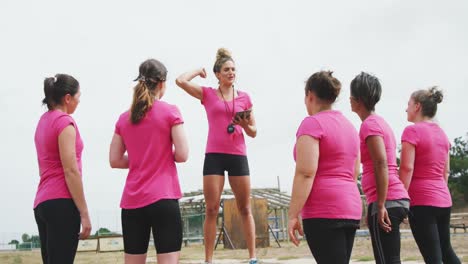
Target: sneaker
[[253, 261]]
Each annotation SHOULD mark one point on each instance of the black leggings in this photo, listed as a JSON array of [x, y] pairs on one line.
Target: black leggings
[[59, 223], [328, 243], [386, 246], [431, 230]]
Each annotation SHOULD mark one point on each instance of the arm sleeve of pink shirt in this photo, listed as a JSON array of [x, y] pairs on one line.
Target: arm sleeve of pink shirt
[[310, 127], [176, 116], [62, 122], [370, 128], [205, 91], [249, 103], [410, 135], [117, 126]]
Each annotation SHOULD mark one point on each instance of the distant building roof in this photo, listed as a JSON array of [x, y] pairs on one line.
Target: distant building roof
[[195, 201]]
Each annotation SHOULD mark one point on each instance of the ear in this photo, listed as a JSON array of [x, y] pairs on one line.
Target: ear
[[418, 107], [357, 102], [67, 99], [160, 85], [217, 75], [310, 96]]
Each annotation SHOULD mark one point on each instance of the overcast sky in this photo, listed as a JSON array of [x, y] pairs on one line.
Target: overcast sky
[[277, 45]]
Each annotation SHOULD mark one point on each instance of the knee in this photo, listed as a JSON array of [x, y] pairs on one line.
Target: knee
[[448, 255], [212, 211], [244, 210]]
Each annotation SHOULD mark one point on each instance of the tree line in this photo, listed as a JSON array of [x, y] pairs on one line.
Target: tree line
[[33, 241], [458, 178]]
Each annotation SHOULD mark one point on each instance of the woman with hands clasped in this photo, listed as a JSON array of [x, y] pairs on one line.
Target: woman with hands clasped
[[229, 113], [325, 191], [387, 198]]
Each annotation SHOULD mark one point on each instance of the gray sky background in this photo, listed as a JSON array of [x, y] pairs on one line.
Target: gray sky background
[[277, 45]]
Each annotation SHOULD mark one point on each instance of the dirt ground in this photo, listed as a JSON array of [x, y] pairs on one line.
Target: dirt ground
[[287, 254]]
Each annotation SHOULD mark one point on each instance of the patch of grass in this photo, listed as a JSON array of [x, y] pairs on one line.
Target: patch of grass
[[411, 258], [17, 260], [287, 257], [365, 258], [262, 251]]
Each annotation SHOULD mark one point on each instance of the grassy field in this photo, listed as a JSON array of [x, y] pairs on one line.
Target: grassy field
[[362, 252]]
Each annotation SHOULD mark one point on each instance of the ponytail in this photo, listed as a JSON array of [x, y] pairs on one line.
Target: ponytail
[[151, 73], [143, 99], [48, 92]]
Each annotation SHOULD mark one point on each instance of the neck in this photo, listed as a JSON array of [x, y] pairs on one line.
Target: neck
[[365, 114], [320, 107], [225, 88], [61, 108], [421, 118], [157, 96]]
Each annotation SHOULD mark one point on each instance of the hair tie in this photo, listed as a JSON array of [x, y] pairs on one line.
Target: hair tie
[[140, 78], [55, 79]]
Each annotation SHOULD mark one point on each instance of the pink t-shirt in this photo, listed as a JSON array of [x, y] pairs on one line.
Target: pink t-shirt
[[219, 114], [152, 174], [334, 194], [52, 183], [375, 125], [432, 146]]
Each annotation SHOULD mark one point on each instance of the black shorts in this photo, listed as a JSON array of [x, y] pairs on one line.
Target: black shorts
[[163, 217], [218, 163]]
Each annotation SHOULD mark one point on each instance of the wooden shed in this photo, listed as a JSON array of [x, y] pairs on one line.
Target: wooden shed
[[233, 228], [269, 207]]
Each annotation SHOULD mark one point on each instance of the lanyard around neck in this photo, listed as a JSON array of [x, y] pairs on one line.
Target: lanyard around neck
[[226, 105]]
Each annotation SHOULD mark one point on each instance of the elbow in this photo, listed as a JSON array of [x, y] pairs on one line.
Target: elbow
[[70, 172], [181, 157], [406, 173], [356, 176], [308, 174], [114, 163], [380, 164], [179, 82], [406, 170], [252, 133]]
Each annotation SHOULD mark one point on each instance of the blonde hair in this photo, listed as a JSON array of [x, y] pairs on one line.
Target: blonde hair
[[143, 99], [222, 56], [428, 99]]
